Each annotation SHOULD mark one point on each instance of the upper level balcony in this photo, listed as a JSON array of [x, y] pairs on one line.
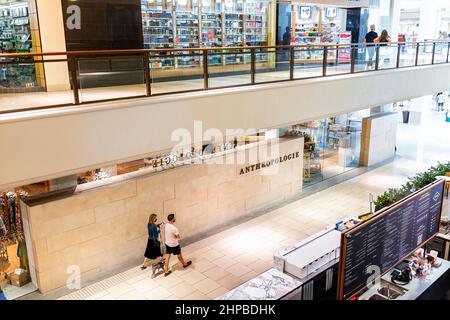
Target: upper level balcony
[[93, 124], [92, 76]]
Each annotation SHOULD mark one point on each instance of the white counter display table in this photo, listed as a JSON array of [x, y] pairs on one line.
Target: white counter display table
[[271, 285]]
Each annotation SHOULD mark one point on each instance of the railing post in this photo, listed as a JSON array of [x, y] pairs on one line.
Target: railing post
[[325, 61], [252, 65], [377, 57], [353, 58], [434, 52], [205, 70], [74, 78], [448, 52], [147, 77], [398, 55], [417, 54], [291, 63]]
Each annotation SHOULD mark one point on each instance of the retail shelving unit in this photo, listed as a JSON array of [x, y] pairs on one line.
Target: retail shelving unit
[[158, 21], [15, 36], [171, 24], [311, 25]]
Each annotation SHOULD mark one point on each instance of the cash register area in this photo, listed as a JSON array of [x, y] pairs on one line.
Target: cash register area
[[239, 263]]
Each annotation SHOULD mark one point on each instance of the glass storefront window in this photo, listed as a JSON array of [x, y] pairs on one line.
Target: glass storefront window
[[332, 145]]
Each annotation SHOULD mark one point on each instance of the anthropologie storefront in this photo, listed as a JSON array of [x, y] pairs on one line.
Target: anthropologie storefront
[[99, 222]]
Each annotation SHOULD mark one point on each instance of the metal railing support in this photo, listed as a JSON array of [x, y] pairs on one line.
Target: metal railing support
[[252, 66], [147, 77], [205, 70], [73, 67], [291, 63], [325, 61]]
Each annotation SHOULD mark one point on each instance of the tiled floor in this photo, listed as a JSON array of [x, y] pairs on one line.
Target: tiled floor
[[230, 258]]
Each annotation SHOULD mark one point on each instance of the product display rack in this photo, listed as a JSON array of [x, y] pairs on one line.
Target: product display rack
[[15, 37], [314, 30], [187, 36], [158, 34], [208, 23], [211, 33]]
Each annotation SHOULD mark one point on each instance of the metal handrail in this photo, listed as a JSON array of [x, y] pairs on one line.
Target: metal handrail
[[72, 58], [141, 51]]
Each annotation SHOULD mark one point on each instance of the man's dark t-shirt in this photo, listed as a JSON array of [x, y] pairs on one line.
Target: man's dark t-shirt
[[371, 36]]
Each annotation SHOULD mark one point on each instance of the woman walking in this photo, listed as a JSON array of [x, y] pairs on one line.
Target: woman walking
[[383, 40], [153, 250]]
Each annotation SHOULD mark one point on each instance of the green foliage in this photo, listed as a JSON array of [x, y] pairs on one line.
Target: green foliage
[[415, 183]]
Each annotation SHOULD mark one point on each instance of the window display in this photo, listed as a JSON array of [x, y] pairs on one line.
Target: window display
[[332, 146], [318, 25], [15, 37], [14, 268]]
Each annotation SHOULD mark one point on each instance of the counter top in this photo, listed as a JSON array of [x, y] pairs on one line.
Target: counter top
[[271, 285], [415, 288]]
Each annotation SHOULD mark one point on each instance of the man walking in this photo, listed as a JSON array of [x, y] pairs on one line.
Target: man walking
[[172, 237], [370, 43]]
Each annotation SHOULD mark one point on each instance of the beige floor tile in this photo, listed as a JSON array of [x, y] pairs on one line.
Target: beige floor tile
[[203, 265], [225, 262], [144, 285], [193, 277], [132, 295], [99, 295], [246, 258], [138, 278], [260, 266], [218, 292], [238, 270], [206, 286], [249, 276], [158, 293], [172, 298], [212, 255], [197, 296], [169, 281], [107, 297], [120, 290], [182, 290], [230, 282], [216, 273]]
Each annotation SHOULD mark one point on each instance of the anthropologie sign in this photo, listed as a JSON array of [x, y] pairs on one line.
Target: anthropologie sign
[[269, 163]]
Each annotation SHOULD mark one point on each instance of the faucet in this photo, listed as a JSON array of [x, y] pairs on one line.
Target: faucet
[[388, 292]]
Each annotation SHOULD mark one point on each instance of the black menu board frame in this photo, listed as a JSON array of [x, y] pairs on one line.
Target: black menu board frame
[[365, 230]]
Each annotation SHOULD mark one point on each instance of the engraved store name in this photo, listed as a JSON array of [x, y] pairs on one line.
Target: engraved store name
[[269, 163]]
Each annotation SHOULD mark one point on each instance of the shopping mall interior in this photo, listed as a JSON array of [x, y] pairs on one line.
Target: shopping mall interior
[[281, 149]]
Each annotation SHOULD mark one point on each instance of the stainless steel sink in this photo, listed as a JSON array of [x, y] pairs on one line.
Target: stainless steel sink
[[390, 291]]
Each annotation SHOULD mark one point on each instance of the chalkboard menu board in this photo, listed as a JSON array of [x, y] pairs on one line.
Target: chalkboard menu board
[[389, 237]]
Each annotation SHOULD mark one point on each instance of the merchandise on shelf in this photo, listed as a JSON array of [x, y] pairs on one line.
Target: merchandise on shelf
[[15, 36], [158, 34]]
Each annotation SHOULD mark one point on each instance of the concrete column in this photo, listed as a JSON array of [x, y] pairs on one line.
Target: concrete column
[[51, 26], [395, 19]]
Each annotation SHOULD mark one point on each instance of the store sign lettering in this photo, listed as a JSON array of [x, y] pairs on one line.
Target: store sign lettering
[[269, 163], [73, 22]]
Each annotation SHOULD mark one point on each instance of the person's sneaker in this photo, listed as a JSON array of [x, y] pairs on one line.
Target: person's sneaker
[[143, 267], [166, 274], [187, 264]]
